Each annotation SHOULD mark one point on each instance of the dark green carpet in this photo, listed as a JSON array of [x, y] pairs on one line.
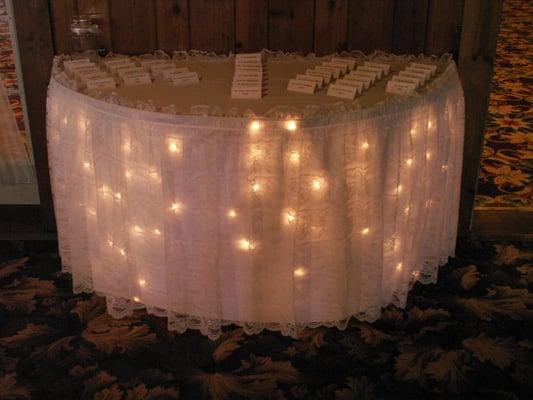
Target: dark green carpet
[[470, 336]]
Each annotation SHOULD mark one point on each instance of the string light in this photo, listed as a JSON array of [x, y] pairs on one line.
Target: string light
[[444, 167], [122, 252], [245, 244], [406, 211], [87, 165], [136, 299], [142, 282], [399, 266], [157, 232], [154, 174], [294, 157], [256, 187], [291, 216], [291, 125], [365, 231], [365, 145], [428, 155], [409, 162], [316, 184], [65, 121], [413, 131], [91, 211], [137, 229], [118, 196], [429, 124], [128, 174], [399, 189], [255, 126], [232, 213], [173, 147], [126, 147], [299, 272], [110, 243], [175, 208]]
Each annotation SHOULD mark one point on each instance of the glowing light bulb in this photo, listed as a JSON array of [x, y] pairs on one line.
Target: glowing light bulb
[[232, 213], [409, 162], [316, 184], [444, 167], [255, 126], [294, 157], [245, 244], [365, 146], [406, 211], [128, 174], [365, 231], [118, 196], [65, 121], [87, 165], [91, 211], [256, 187], [291, 125], [428, 155], [142, 282], [429, 124], [399, 189], [291, 216], [173, 147], [299, 272], [137, 229], [175, 208], [413, 131], [157, 232], [154, 174], [136, 299], [110, 243], [126, 148], [399, 266], [122, 252], [103, 190], [415, 274]]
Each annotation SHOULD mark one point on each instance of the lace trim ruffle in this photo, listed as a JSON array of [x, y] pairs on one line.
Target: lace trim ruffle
[[276, 112]]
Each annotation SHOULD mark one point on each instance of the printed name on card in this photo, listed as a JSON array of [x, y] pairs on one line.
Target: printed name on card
[[258, 75], [327, 74], [416, 70], [101, 84], [124, 64], [412, 81], [335, 71], [244, 93], [348, 82], [168, 73], [128, 70], [342, 67], [69, 64], [342, 91], [359, 72], [146, 64], [157, 70], [139, 78], [365, 80], [184, 78], [318, 79], [385, 68], [414, 75], [350, 62], [375, 70], [71, 69], [301, 86], [76, 72], [397, 87], [92, 76], [431, 67]]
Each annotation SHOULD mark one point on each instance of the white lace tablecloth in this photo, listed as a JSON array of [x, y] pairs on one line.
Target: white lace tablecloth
[[280, 221]]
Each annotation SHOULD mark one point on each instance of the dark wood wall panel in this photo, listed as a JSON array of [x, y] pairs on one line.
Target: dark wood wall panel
[[251, 25], [212, 25], [331, 26], [444, 26], [133, 28], [100, 7], [290, 25], [62, 12], [410, 21], [172, 21], [371, 25]]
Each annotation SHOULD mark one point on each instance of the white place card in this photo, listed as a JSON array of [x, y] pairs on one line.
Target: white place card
[[148, 62], [318, 79], [413, 81], [68, 64], [409, 74], [336, 71], [83, 69], [157, 69], [128, 70], [342, 91], [248, 68], [301, 86], [416, 70], [347, 82], [101, 84], [375, 70], [185, 78], [246, 93], [369, 75], [341, 66], [92, 76], [431, 67], [366, 80], [249, 57], [168, 73], [256, 74], [138, 78], [116, 60], [327, 74], [397, 87], [384, 67], [126, 63], [350, 62]]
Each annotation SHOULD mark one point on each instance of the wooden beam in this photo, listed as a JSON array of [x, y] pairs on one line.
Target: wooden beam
[[133, 29], [371, 25], [61, 12], [410, 21], [481, 21], [172, 21], [290, 25], [444, 27], [34, 40], [331, 26], [212, 25], [251, 25]]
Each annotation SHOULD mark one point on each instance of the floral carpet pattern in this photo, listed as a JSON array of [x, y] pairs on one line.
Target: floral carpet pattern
[[470, 336], [506, 175]]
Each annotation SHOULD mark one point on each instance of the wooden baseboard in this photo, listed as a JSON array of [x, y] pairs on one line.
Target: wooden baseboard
[[502, 225]]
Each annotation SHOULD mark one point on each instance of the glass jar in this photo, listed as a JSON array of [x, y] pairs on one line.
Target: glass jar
[[83, 34]]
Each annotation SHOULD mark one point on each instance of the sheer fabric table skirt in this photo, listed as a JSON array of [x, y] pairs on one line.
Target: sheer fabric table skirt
[[273, 223]]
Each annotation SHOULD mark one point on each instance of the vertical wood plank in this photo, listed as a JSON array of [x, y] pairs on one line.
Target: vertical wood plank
[[133, 28], [331, 26], [62, 12], [172, 20], [100, 7], [251, 25], [410, 19], [444, 26], [212, 25], [371, 25], [481, 21], [290, 25], [35, 46]]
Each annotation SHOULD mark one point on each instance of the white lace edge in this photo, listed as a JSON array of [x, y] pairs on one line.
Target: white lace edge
[[276, 112], [120, 307]]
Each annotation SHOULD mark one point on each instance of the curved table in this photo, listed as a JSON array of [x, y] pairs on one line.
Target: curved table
[[289, 212]]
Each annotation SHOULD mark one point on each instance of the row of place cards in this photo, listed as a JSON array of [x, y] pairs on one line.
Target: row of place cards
[[358, 80], [411, 78], [250, 78]]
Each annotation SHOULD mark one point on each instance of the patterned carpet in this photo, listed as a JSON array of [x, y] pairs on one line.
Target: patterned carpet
[[470, 336], [506, 177]]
